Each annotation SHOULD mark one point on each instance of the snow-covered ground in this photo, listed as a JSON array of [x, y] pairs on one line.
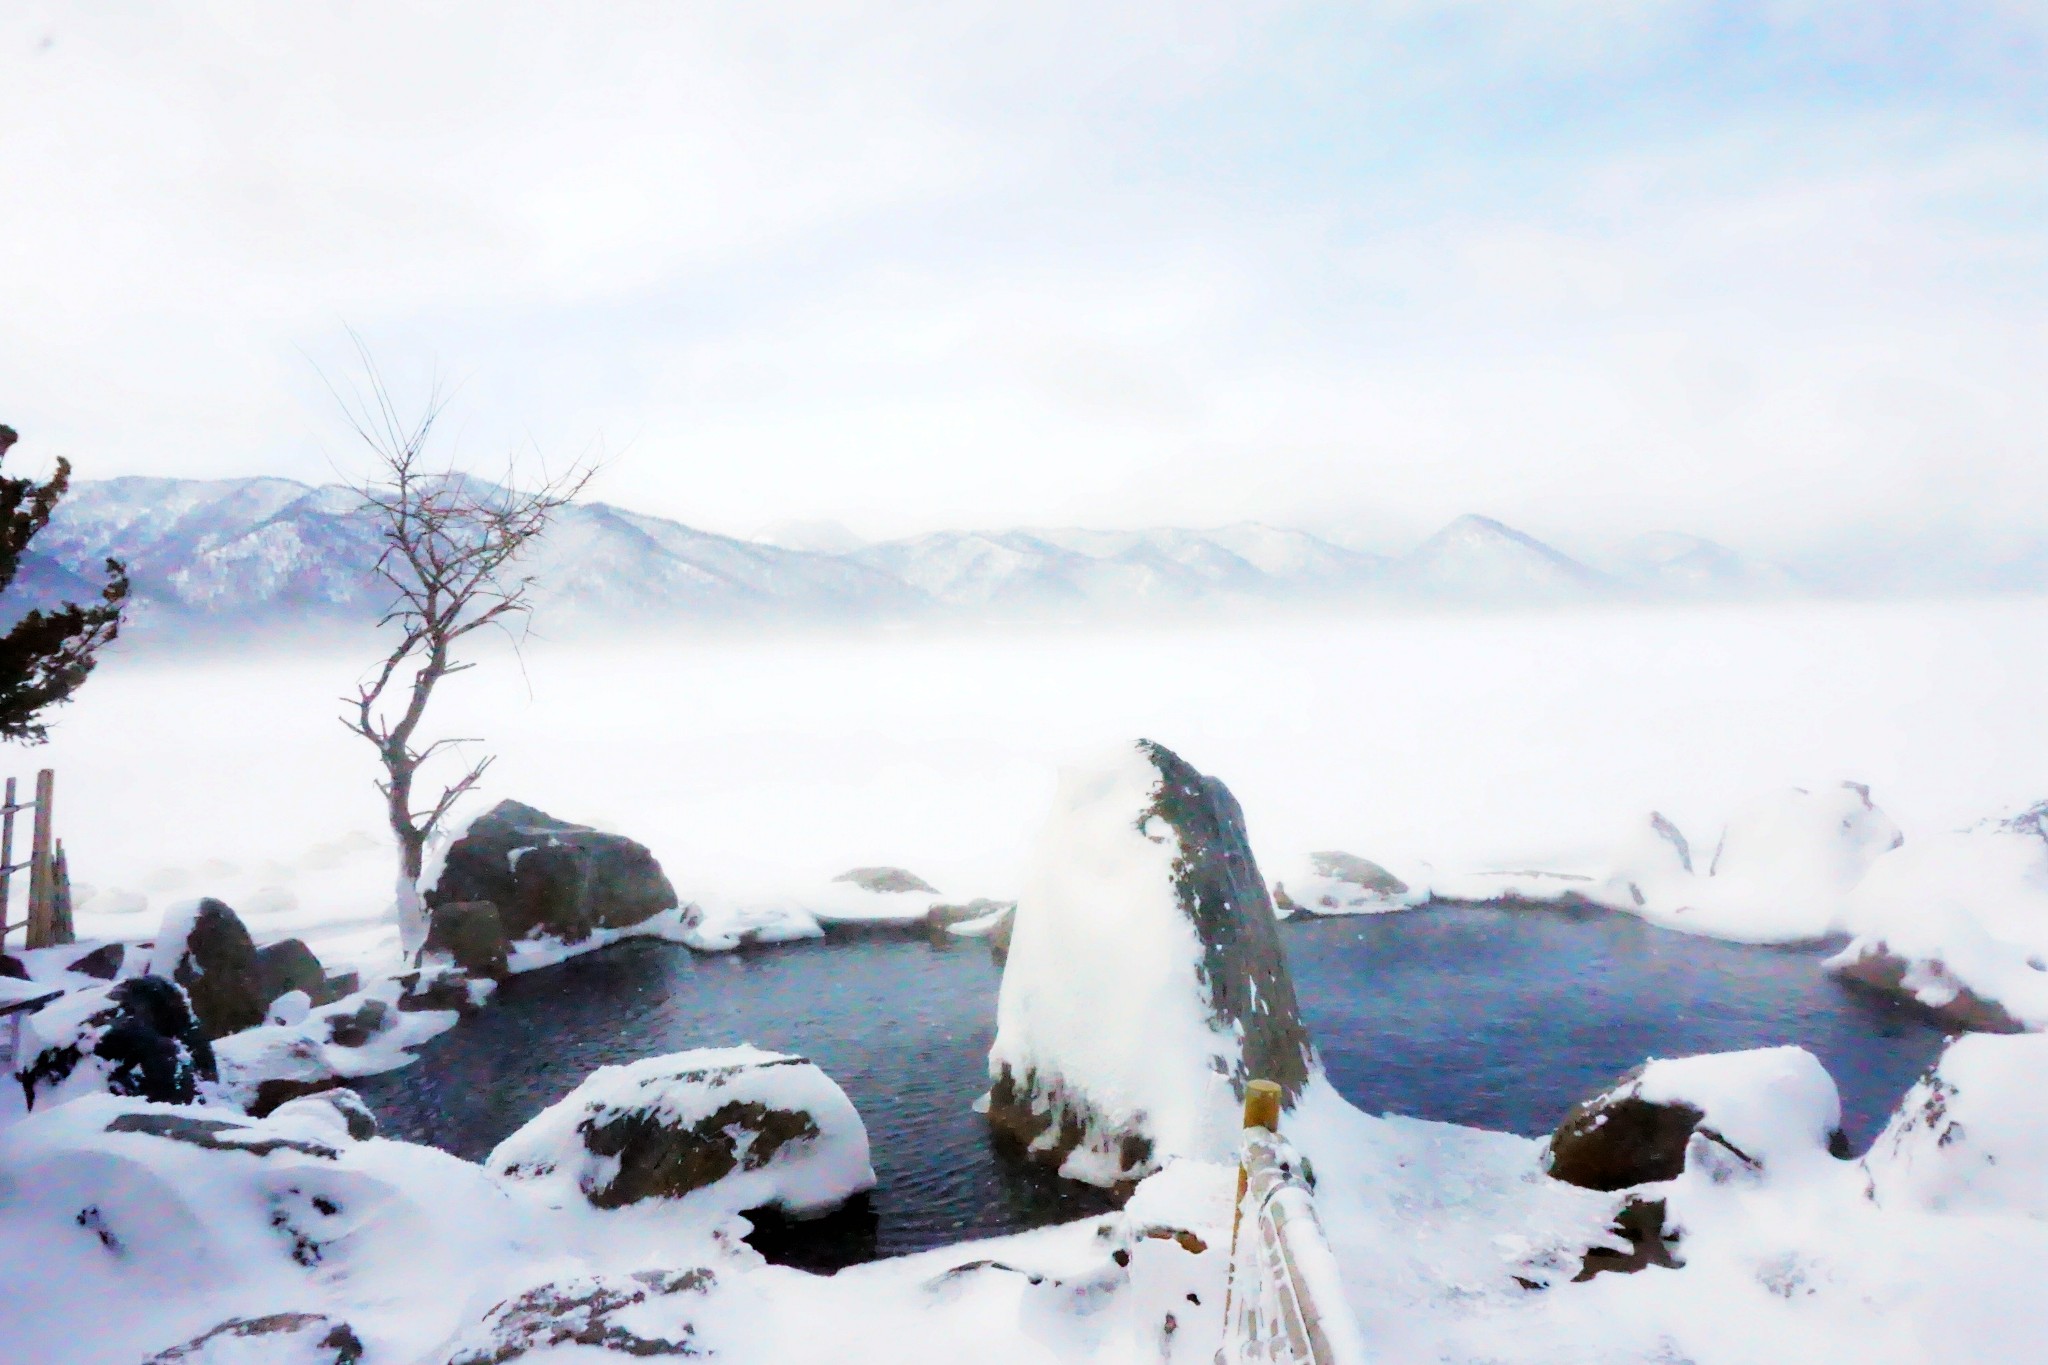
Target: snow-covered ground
[[759, 770]]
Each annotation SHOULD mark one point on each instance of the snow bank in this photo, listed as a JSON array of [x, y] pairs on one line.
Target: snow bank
[[1145, 982], [1958, 922], [206, 1215], [1777, 1106], [1972, 1136], [719, 1129]]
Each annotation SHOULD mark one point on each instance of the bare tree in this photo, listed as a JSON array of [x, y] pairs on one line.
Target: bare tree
[[449, 546]]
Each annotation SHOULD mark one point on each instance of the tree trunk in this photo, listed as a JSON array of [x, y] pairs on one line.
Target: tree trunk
[[412, 845]]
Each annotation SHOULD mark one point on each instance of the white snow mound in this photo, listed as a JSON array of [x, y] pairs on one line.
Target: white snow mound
[[1972, 1135]]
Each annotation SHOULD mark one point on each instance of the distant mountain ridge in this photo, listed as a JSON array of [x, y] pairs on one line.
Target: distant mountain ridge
[[254, 553]]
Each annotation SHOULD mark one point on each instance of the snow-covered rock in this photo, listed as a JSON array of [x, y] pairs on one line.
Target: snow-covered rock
[[469, 935], [1972, 1135], [550, 878], [273, 1339], [204, 947], [649, 1313], [720, 925], [136, 1037], [1336, 883], [1766, 1108], [1959, 924], [721, 1129], [1145, 983]]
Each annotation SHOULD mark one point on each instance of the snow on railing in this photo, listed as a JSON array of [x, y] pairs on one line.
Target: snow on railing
[[1284, 1304]]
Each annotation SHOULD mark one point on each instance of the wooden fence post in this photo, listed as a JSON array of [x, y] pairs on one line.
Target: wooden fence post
[[7, 864], [41, 867], [61, 927]]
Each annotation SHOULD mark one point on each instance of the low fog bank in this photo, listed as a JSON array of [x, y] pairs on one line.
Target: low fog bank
[[783, 759]]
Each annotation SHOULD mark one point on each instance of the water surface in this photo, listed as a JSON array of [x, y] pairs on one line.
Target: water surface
[[1500, 1018]]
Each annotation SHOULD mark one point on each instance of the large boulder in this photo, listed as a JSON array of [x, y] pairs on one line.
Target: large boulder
[[1338, 883], [289, 965], [1972, 1135], [728, 1129], [1145, 983], [204, 947], [1765, 1106], [550, 878], [137, 1037], [469, 935]]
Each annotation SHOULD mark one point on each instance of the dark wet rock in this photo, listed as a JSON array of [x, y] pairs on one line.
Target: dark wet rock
[[438, 988], [300, 1338], [288, 965], [145, 1041], [218, 971], [336, 986], [999, 937], [470, 935], [1241, 976], [207, 1133], [103, 962], [659, 1160], [585, 1311], [360, 1025], [13, 968], [1617, 1139], [849, 1235], [1874, 966], [1645, 1239], [551, 878], [887, 880]]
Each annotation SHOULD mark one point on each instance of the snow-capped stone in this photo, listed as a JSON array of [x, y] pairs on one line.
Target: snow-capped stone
[[644, 1314], [336, 1112], [551, 878], [289, 965], [204, 947], [726, 1129], [275, 1339], [1957, 923], [136, 1037], [887, 880], [1337, 883], [1972, 1135], [1766, 1107], [1145, 983], [721, 926], [102, 963]]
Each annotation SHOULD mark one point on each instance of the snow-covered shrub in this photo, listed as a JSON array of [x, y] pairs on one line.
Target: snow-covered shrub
[[136, 1037], [726, 1129], [1145, 983], [1972, 1135]]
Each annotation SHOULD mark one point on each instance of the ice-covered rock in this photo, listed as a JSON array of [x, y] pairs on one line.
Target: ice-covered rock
[[1957, 923], [204, 947], [1337, 883], [719, 926], [550, 878], [1972, 1135], [1145, 983], [136, 1037], [1766, 1108], [726, 1129]]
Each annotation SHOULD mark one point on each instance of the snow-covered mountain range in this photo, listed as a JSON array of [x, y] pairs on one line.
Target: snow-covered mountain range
[[255, 553]]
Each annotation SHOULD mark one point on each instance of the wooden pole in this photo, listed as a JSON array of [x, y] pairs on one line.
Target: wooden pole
[[41, 882], [62, 930], [1261, 1110], [6, 862]]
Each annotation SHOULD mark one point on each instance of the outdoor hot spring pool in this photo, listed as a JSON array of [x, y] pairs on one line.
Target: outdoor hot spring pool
[[1498, 1018]]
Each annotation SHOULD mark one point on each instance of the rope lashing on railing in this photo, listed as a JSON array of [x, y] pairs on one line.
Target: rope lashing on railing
[[1284, 1304]]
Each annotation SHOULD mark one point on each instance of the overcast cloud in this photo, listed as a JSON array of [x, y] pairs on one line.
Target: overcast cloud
[[1773, 273]]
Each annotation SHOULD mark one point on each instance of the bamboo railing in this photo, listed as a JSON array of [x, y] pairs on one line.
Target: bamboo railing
[[1284, 1303]]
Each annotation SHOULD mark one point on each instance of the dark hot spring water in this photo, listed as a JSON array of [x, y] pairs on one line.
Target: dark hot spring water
[[1498, 1018]]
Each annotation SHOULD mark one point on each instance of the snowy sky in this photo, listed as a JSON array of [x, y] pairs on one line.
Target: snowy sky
[[1769, 272]]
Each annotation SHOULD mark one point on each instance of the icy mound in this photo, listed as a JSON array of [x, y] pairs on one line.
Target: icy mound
[[1972, 1136], [1145, 982], [1782, 871], [726, 1129]]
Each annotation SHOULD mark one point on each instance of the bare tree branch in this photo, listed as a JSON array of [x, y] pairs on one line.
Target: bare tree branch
[[449, 543]]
